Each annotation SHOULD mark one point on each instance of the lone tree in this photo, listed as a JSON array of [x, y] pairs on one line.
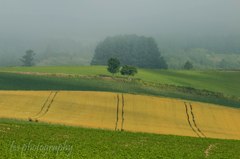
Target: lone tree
[[188, 65], [28, 58], [128, 70], [113, 65], [132, 50]]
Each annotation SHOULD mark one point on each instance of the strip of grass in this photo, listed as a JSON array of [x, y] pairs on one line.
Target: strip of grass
[[226, 82], [21, 139], [11, 81]]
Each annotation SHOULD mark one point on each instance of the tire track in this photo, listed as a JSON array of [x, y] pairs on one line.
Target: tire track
[[43, 106], [188, 119], [117, 112], [49, 105], [42, 112], [122, 112], [194, 121]]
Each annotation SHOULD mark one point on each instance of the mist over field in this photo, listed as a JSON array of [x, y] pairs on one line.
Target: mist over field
[[119, 79], [66, 32]]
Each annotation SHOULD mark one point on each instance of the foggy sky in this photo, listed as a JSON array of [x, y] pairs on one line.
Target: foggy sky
[[96, 19]]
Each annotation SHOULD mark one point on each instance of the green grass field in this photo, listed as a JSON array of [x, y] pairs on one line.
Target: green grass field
[[226, 82], [21, 139]]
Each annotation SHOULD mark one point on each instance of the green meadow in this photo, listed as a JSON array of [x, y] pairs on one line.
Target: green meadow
[[226, 82], [21, 140]]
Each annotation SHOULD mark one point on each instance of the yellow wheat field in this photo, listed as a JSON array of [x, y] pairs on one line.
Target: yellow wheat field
[[125, 112]]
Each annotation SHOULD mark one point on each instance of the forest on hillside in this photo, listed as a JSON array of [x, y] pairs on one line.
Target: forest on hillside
[[205, 52]]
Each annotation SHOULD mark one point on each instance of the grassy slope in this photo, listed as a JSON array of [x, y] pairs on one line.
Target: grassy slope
[[218, 81], [10, 81], [92, 143]]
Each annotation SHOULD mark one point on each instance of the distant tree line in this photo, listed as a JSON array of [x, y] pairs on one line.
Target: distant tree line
[[204, 52]]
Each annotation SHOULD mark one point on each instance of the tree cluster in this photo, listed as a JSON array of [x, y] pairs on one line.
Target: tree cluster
[[133, 50], [114, 66]]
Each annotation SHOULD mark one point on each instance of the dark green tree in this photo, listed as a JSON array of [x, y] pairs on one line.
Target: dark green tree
[[188, 65], [128, 70], [132, 50], [223, 64], [113, 65], [28, 58]]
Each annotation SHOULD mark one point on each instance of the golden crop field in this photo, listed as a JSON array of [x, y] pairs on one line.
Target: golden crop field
[[125, 112]]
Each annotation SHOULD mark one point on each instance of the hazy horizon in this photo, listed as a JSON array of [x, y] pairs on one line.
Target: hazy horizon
[[74, 28], [93, 20]]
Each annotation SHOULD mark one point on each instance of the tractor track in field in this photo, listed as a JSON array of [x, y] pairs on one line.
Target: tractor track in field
[[188, 119], [123, 102], [45, 103], [117, 124], [49, 105], [45, 106], [194, 121], [117, 112]]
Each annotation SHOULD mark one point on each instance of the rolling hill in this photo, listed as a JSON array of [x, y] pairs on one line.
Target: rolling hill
[[226, 82]]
